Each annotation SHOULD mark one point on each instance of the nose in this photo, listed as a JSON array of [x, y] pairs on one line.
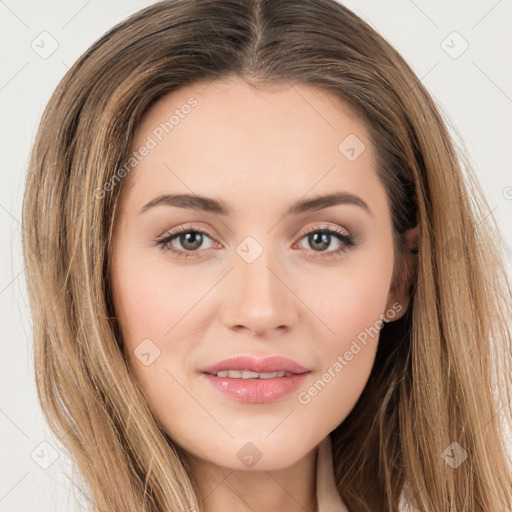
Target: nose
[[259, 298]]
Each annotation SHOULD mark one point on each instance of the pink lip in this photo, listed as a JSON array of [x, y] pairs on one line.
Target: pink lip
[[265, 365], [257, 390]]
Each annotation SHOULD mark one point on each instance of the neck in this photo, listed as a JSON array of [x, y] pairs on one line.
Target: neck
[[229, 490]]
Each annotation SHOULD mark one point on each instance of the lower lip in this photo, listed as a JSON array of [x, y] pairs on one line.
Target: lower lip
[[256, 391]]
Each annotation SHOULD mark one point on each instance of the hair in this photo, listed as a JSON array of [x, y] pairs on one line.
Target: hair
[[442, 373]]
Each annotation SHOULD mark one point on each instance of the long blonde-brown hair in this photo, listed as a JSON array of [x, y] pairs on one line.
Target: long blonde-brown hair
[[442, 373]]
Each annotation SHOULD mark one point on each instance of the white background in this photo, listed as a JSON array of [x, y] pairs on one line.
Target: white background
[[473, 90]]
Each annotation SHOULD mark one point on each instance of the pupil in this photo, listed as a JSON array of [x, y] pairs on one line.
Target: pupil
[[324, 239], [189, 238]]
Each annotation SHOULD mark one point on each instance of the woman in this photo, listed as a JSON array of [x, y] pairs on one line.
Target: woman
[[195, 348]]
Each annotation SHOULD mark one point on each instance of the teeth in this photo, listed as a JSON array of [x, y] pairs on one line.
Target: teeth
[[246, 374]]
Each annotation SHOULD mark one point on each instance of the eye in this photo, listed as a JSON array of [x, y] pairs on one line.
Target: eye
[[319, 238], [189, 238]]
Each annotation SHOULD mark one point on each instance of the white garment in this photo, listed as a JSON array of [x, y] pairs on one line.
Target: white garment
[[328, 497]]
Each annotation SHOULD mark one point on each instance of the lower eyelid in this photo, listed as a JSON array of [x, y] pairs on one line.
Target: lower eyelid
[[346, 242]]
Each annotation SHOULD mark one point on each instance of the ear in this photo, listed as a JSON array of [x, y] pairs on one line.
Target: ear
[[403, 274]]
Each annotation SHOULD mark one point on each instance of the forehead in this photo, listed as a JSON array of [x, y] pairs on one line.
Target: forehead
[[234, 109], [227, 135]]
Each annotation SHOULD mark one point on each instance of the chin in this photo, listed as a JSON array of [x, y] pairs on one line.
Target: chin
[[254, 453]]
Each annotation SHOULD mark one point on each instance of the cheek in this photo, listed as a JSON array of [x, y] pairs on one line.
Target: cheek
[[152, 309], [351, 299], [149, 299], [351, 305], [158, 308], [352, 309], [357, 305]]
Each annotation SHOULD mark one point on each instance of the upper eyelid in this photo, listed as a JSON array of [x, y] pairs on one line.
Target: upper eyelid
[[173, 234], [186, 229]]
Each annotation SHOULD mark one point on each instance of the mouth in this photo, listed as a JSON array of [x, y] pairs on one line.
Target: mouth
[[250, 380], [248, 374]]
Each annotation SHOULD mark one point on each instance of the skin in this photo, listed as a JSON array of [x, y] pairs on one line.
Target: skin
[[260, 151]]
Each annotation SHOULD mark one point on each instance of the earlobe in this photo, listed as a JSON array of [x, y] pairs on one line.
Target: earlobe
[[411, 239], [399, 291]]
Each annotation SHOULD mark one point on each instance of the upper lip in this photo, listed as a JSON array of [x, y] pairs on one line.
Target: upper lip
[[264, 365]]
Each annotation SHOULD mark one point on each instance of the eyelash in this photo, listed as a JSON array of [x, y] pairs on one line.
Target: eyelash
[[347, 241]]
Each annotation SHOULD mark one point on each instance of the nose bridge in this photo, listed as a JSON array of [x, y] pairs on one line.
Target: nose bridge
[[259, 298]]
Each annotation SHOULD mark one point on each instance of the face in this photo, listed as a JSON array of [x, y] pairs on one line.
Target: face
[[258, 270]]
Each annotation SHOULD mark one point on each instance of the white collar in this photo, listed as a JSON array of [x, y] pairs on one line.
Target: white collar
[[328, 497]]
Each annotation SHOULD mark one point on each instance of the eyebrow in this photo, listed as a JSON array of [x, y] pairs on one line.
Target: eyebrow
[[216, 206]]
